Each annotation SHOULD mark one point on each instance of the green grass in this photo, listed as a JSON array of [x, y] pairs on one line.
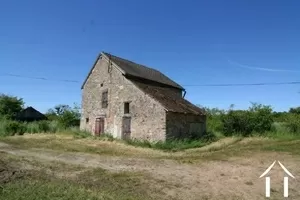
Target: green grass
[[171, 146], [257, 146], [178, 150], [38, 188], [10, 128], [175, 145], [67, 143]]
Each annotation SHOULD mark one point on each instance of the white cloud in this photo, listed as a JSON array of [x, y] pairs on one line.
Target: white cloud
[[259, 68]]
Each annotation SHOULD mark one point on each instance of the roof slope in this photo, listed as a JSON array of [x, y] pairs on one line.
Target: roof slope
[[30, 113], [169, 100], [137, 70]]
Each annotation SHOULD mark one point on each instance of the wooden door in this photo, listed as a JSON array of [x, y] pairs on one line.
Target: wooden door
[[126, 128], [99, 126]]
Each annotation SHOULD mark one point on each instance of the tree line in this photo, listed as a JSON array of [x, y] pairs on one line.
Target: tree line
[[258, 119], [60, 117]]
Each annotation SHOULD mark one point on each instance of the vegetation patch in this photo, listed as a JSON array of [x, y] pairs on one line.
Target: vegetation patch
[[95, 184], [174, 145]]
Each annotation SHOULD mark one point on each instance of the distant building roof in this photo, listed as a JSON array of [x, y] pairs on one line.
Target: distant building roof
[[30, 114]]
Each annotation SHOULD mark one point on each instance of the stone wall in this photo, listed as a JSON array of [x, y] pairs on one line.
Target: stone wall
[[182, 125], [148, 117]]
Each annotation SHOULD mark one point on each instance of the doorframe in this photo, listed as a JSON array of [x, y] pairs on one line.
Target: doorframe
[[124, 136], [101, 126]]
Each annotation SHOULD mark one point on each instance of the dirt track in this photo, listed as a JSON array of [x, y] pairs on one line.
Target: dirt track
[[235, 178]]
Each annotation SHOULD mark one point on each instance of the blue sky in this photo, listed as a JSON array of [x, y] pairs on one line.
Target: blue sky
[[193, 42]]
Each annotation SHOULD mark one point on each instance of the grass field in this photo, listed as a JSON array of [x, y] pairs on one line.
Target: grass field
[[54, 166]]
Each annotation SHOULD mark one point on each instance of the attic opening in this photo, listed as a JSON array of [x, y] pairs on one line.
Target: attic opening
[[104, 99], [126, 107]]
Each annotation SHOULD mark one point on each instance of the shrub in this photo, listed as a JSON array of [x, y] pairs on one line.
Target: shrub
[[32, 127], [261, 117], [54, 126], [258, 119], [11, 128], [214, 123], [236, 122], [68, 119], [44, 126], [279, 127], [293, 123]]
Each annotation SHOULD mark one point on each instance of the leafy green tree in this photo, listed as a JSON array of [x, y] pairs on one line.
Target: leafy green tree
[[51, 114], [10, 106], [295, 110], [61, 109], [66, 115]]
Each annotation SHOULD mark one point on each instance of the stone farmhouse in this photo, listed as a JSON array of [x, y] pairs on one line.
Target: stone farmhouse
[[132, 101]]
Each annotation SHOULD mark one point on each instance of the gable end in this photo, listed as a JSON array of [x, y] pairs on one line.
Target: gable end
[[101, 56]]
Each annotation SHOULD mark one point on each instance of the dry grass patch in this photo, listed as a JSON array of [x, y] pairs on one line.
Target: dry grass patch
[[220, 150], [88, 145], [56, 180]]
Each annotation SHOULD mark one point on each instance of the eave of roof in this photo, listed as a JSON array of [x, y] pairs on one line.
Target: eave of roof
[[169, 99], [164, 79]]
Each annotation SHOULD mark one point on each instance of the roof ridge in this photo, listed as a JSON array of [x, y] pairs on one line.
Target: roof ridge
[[132, 68], [131, 61]]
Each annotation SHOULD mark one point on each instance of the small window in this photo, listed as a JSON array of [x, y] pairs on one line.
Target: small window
[[87, 120], [126, 107], [105, 99], [101, 84]]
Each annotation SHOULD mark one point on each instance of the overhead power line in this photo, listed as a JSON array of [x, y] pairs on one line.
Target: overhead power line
[[186, 85], [246, 84], [40, 78]]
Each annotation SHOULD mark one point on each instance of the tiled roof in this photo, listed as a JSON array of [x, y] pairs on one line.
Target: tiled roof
[[169, 99], [140, 71]]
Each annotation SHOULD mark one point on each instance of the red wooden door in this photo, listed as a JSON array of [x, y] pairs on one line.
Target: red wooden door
[[99, 126], [126, 128]]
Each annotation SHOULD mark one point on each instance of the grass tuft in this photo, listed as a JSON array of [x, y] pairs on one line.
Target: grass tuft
[[174, 145]]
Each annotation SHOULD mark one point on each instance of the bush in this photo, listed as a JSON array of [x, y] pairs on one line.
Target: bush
[[293, 123], [32, 127], [54, 127], [68, 119], [44, 126], [214, 123], [10, 128], [258, 119]]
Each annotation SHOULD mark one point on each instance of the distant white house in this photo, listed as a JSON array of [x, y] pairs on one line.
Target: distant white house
[[285, 180]]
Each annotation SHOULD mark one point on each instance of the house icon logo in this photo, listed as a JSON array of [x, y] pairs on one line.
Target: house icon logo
[[285, 180]]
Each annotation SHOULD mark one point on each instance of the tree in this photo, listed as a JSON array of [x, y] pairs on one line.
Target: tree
[[295, 110], [51, 114], [66, 115], [61, 109], [10, 106]]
